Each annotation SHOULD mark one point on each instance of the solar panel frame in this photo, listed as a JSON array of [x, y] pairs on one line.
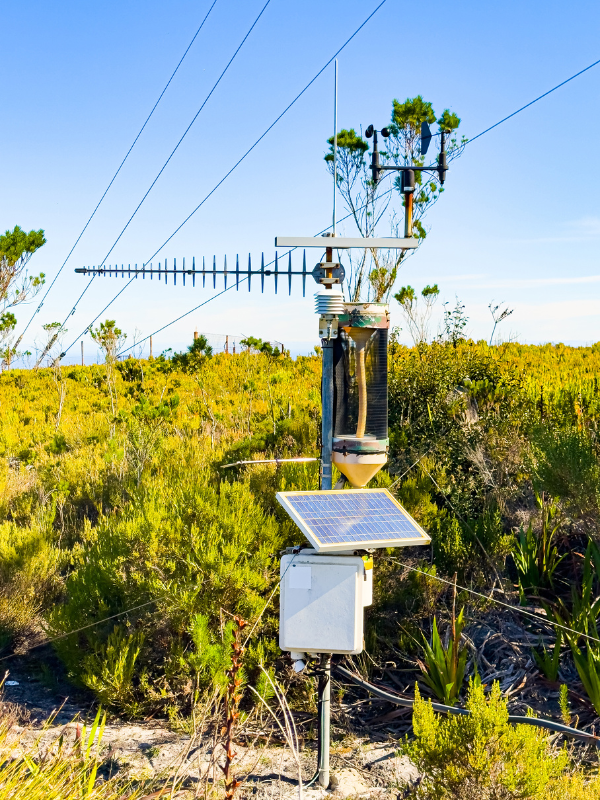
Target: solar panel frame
[[376, 513]]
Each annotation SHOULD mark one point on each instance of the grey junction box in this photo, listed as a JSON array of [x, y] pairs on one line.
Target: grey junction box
[[322, 602]]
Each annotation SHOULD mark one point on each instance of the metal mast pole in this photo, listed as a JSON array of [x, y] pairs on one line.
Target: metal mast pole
[[335, 142], [327, 399], [327, 478], [326, 414], [327, 344], [324, 719]]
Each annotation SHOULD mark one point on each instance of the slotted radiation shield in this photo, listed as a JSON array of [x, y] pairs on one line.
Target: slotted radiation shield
[[338, 520]]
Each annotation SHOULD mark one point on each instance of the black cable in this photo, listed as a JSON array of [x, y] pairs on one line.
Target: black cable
[[116, 173], [206, 99], [538, 722], [235, 166]]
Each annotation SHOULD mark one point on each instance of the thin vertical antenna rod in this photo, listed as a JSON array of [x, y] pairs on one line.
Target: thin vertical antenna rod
[[334, 142]]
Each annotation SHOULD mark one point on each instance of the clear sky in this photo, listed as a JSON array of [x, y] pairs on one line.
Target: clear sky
[[519, 221]]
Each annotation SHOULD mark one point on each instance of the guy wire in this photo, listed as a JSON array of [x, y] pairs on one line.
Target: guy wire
[[214, 297], [144, 605], [516, 609], [581, 72], [518, 111]]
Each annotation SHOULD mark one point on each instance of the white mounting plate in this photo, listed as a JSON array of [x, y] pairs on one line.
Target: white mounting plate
[[345, 242]]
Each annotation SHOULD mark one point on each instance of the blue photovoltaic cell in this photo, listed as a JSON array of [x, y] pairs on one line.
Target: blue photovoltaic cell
[[348, 517]]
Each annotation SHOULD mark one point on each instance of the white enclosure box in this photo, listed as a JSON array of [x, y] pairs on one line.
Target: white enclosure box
[[322, 602]]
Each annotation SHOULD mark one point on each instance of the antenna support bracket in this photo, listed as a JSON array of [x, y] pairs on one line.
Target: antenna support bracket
[[327, 273]]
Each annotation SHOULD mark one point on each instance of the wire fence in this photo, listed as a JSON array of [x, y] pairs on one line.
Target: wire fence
[[227, 343], [222, 342]]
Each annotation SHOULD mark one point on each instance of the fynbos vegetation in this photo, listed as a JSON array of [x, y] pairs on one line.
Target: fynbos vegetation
[[119, 523]]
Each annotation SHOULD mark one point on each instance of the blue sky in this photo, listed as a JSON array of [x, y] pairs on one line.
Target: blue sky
[[519, 221]]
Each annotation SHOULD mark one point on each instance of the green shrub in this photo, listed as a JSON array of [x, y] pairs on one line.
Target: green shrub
[[29, 577], [483, 757], [565, 464], [192, 549]]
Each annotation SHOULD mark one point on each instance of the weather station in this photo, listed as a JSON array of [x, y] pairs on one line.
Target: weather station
[[327, 582]]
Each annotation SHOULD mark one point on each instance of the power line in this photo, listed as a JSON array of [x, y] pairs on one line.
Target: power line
[[214, 297], [247, 153], [235, 166], [577, 74], [116, 173], [267, 131], [46, 349]]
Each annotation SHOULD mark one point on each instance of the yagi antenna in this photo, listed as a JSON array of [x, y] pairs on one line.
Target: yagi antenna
[[320, 273], [238, 274]]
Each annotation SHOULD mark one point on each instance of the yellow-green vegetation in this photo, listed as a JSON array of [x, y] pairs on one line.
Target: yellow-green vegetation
[[59, 769], [113, 499], [483, 757], [103, 512]]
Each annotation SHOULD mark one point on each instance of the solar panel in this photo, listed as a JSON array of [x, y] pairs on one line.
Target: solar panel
[[352, 518]]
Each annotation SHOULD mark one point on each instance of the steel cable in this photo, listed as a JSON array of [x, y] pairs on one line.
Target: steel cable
[[518, 111], [116, 173], [168, 596], [206, 99], [500, 122], [224, 178], [490, 599]]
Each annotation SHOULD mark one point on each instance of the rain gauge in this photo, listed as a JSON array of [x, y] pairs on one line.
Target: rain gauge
[[327, 582]]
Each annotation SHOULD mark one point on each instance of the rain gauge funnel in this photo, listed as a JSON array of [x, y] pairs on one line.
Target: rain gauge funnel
[[360, 422]]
